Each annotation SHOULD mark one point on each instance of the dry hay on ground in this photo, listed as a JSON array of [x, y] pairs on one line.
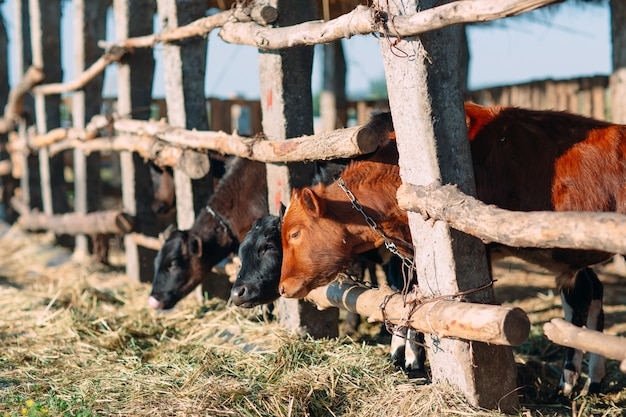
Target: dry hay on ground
[[79, 339]]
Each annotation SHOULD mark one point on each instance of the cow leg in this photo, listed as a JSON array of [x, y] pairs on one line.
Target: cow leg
[[397, 348], [595, 321], [408, 352], [577, 301], [415, 355]]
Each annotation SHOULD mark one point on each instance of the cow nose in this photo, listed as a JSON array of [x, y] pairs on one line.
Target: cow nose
[[282, 290], [238, 294]]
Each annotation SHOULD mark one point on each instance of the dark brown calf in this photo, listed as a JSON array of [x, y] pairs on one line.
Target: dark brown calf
[[187, 257]]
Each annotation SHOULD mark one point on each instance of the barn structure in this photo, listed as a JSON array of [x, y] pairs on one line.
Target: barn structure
[[423, 79]]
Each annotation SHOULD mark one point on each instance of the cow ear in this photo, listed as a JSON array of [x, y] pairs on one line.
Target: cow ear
[[312, 202], [194, 246]]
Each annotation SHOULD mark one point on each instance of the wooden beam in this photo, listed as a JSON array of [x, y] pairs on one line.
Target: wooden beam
[[443, 317], [540, 229], [566, 334]]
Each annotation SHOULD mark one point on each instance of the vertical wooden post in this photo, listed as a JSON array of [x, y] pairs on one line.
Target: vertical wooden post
[[89, 27], [45, 22], [30, 183], [4, 96], [134, 18], [427, 107], [333, 109], [185, 69], [286, 102]]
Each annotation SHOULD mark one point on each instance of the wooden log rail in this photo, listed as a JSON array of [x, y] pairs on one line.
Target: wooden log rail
[[101, 222], [540, 229], [165, 143], [486, 323], [566, 334], [366, 20], [15, 103]]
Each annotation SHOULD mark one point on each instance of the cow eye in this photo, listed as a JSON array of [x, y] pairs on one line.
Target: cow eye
[[294, 235], [173, 265], [268, 246]]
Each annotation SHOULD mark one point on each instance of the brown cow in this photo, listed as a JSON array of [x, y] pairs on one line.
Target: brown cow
[[523, 160]]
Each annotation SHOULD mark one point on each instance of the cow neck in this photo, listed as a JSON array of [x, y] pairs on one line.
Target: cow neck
[[222, 223], [389, 244]]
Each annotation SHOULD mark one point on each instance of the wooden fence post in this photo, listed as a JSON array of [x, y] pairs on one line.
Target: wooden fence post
[[185, 70], [89, 27], [287, 106], [4, 96], [333, 108], [135, 73], [45, 21], [427, 107], [30, 183]]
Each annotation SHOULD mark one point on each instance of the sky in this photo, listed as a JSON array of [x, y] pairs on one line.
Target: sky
[[569, 42]]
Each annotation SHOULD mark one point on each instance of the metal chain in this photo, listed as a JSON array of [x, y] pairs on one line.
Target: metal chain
[[389, 244]]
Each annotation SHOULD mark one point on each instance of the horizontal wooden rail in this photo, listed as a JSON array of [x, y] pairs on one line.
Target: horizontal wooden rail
[[164, 143], [366, 20], [566, 334], [100, 222], [540, 229], [443, 317], [15, 103]]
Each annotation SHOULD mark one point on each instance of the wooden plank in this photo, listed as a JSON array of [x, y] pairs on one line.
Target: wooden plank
[[421, 89], [134, 18], [598, 97], [287, 105]]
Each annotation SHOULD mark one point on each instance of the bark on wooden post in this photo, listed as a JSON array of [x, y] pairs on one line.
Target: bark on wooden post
[[89, 28], [134, 18], [45, 22], [333, 106], [4, 96], [185, 67], [427, 106], [286, 102]]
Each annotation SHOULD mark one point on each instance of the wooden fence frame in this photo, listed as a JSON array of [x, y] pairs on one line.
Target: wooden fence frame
[[167, 143]]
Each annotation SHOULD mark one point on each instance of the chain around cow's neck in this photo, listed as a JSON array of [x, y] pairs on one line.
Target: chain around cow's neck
[[212, 212], [389, 244]]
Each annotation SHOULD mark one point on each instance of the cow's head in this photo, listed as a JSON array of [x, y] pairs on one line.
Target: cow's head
[[261, 256], [315, 247], [173, 269]]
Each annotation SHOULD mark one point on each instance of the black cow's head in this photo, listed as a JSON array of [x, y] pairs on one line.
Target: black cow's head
[[173, 269], [261, 257]]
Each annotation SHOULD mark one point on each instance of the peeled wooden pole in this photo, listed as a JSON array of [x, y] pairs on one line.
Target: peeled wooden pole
[[487, 323], [566, 334]]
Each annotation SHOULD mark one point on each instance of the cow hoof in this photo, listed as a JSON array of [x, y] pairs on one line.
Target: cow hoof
[[592, 388], [415, 373], [568, 381]]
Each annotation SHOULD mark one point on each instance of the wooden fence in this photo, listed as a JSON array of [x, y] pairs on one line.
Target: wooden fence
[[183, 142]]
